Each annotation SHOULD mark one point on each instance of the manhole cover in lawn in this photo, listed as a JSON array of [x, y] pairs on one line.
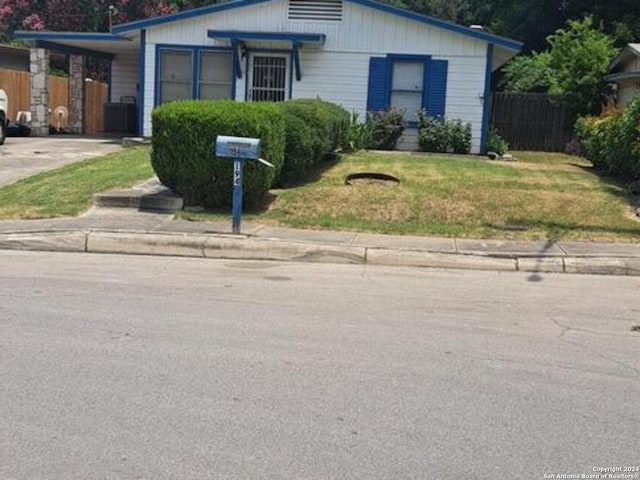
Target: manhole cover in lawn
[[371, 178]]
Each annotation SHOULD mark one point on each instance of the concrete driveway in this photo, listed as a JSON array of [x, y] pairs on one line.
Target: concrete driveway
[[25, 156]]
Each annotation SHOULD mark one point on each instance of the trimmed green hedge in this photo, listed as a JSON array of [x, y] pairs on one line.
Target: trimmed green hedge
[[314, 128], [183, 144], [612, 142], [295, 136]]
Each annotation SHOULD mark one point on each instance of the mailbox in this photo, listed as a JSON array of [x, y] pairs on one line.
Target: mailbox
[[238, 147]]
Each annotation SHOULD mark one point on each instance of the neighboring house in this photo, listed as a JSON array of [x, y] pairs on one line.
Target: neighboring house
[[361, 54], [624, 72]]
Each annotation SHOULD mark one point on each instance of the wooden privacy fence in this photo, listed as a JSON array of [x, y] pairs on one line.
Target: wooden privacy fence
[[533, 121], [16, 84]]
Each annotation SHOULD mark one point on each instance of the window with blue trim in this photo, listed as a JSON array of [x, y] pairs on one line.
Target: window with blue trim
[[407, 87], [408, 82], [194, 73]]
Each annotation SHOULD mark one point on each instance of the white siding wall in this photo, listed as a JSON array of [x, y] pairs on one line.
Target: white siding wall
[[339, 71], [124, 76]]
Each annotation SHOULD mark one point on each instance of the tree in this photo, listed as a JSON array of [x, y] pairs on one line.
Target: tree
[[79, 15], [576, 62]]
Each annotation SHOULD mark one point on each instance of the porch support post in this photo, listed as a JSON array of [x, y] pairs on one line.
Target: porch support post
[[39, 68], [76, 93]]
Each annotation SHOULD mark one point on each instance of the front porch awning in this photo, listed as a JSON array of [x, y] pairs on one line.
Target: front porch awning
[[296, 40], [293, 37], [101, 45]]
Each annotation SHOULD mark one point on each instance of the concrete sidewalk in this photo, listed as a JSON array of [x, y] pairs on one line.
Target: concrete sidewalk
[[124, 231]]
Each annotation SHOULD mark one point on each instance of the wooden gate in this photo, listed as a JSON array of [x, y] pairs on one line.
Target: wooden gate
[[533, 121], [16, 84]]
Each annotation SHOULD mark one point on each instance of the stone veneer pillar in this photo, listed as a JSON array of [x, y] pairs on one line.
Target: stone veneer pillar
[[76, 93], [39, 66]]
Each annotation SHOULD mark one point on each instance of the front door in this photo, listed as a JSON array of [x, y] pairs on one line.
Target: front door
[[268, 77]]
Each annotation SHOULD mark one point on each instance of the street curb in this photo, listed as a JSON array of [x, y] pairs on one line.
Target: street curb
[[242, 247], [65, 241]]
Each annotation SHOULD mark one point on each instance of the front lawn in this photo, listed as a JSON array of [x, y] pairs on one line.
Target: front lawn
[[540, 196], [68, 190]]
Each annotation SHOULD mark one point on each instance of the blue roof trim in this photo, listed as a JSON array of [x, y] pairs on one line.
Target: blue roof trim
[[196, 12], [270, 36], [75, 50], [478, 34], [89, 36]]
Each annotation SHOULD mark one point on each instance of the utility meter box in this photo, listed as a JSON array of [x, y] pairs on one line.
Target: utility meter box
[[238, 147]]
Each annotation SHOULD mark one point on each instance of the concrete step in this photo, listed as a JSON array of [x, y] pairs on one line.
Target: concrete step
[[149, 196]]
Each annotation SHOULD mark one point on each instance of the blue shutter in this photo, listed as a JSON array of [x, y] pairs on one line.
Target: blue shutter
[[437, 88], [377, 93]]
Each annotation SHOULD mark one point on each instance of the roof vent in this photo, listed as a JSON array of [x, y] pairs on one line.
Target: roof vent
[[317, 10], [476, 27]]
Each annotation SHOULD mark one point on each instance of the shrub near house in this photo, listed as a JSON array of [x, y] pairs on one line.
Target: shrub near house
[[612, 142], [294, 135], [314, 128], [182, 152]]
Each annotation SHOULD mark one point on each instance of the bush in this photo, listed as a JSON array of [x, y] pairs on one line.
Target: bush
[[386, 128], [495, 143], [459, 136], [439, 135], [314, 128], [183, 144], [612, 142], [433, 135], [358, 135]]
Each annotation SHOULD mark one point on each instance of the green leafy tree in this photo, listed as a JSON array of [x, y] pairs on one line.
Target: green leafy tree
[[528, 73], [576, 62]]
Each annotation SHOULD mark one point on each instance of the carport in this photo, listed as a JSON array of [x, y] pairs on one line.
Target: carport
[[123, 101]]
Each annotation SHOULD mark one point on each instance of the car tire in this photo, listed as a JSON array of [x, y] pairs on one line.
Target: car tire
[[3, 130]]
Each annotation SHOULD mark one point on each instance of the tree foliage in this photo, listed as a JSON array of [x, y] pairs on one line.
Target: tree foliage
[[575, 62], [81, 15]]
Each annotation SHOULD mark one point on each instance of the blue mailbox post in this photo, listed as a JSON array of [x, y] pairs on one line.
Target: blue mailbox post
[[239, 149]]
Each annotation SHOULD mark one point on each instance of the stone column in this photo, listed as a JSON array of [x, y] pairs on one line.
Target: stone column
[[76, 93], [39, 60]]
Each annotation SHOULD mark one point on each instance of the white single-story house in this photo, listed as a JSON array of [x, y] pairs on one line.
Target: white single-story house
[[624, 73], [361, 54]]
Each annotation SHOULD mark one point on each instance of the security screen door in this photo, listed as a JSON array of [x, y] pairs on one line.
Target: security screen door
[[269, 81]]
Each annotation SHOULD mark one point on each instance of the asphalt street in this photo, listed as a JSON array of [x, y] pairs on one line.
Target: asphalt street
[[119, 367]]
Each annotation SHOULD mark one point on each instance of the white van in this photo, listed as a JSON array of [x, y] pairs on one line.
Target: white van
[[4, 108]]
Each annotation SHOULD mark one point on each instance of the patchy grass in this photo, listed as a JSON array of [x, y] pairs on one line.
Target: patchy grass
[[540, 196], [68, 190]]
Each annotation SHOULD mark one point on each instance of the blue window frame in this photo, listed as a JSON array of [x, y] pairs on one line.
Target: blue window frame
[[410, 82], [193, 72], [408, 85]]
